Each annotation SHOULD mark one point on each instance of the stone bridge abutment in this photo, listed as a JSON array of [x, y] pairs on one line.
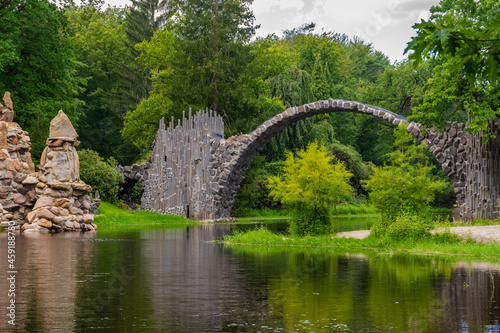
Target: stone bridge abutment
[[473, 167]]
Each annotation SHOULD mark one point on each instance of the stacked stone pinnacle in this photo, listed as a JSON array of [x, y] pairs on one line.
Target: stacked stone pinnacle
[[52, 199]]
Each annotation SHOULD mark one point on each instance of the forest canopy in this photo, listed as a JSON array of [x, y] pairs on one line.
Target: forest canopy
[[117, 71]]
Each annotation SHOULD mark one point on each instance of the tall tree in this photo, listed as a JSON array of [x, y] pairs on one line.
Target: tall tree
[[463, 36], [101, 44], [201, 59], [144, 17], [37, 65]]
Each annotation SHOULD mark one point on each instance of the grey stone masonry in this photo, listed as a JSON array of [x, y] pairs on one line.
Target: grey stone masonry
[[175, 181]]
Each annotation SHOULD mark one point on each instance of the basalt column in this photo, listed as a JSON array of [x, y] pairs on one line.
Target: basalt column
[[482, 188]]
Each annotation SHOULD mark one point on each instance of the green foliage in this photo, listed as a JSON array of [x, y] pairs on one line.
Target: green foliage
[[463, 37], [309, 187], [312, 66], [354, 162], [137, 192], [254, 192], [399, 88], [405, 185], [99, 37], [111, 214], [100, 174], [201, 59], [408, 228], [37, 66]]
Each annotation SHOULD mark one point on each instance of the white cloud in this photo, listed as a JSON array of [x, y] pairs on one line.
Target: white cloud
[[260, 7], [385, 23]]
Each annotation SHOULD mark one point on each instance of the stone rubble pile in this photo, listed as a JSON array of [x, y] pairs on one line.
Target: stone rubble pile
[[52, 199]]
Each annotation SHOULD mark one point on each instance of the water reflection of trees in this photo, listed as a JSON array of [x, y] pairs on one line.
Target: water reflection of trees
[[174, 280], [376, 292]]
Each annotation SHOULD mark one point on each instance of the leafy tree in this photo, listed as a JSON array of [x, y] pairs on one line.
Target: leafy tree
[[202, 59], [254, 192], [37, 66], [463, 36], [100, 174], [143, 19], [400, 87], [353, 162], [405, 186], [100, 40], [309, 187]]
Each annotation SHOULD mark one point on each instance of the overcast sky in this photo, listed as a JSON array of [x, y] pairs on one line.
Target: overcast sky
[[387, 24]]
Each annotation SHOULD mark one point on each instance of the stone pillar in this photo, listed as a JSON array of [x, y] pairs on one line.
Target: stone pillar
[[482, 187], [15, 165], [63, 202]]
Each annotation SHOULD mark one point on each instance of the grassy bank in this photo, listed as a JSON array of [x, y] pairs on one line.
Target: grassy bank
[[444, 243], [110, 214], [347, 209]]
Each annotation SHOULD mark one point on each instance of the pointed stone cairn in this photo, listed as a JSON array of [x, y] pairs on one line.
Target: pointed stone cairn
[[63, 202], [15, 166]]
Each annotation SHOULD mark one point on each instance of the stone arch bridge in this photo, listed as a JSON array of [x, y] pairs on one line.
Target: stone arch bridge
[[193, 171]]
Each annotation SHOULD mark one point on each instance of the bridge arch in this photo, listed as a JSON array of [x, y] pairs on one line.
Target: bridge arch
[[231, 158]]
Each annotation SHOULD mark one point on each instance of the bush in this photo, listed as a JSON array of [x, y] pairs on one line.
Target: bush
[[311, 221], [404, 227], [310, 186], [253, 192], [100, 174], [409, 227], [406, 185]]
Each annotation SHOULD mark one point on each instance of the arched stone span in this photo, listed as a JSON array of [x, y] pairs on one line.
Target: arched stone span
[[194, 172], [230, 159]]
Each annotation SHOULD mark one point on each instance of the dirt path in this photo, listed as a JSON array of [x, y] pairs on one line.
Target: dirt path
[[483, 234]]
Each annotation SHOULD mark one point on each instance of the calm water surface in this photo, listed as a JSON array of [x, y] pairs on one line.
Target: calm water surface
[[179, 280]]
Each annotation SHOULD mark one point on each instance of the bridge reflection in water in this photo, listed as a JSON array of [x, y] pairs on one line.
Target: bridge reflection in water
[[179, 280]]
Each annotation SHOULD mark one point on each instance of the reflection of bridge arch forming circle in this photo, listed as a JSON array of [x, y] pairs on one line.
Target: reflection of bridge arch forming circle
[[207, 178]]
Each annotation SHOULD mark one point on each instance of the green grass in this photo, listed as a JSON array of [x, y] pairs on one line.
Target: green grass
[[350, 209], [441, 244], [475, 223], [346, 209], [264, 213], [110, 214], [440, 210]]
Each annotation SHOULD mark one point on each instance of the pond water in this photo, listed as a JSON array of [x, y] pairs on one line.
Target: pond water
[[280, 225], [177, 279]]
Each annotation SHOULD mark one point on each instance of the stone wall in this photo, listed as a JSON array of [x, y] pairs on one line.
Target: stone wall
[[481, 190], [177, 178], [52, 199]]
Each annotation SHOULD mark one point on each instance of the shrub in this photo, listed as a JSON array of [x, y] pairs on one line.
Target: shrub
[[405, 186], [311, 221], [253, 192], [447, 237], [409, 227], [310, 186], [99, 174]]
